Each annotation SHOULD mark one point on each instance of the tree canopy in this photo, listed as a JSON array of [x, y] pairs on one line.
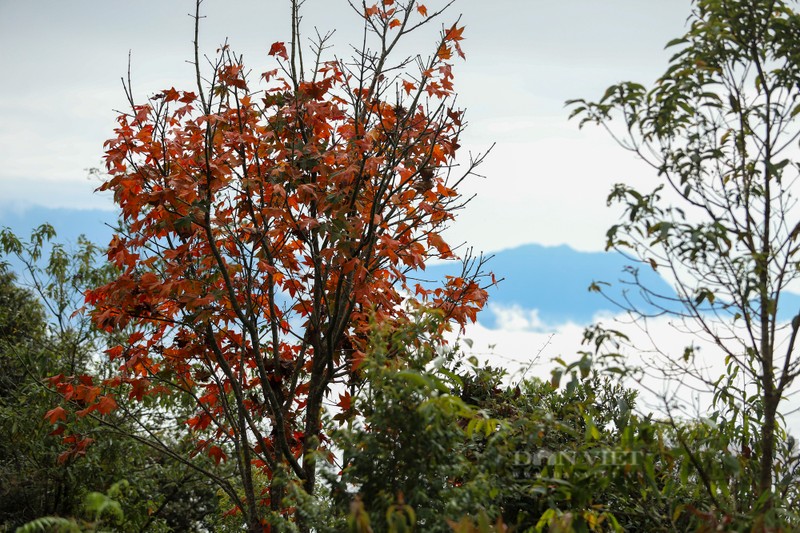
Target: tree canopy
[[720, 128]]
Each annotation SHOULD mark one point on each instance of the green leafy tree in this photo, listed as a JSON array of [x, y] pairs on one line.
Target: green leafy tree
[[42, 333], [720, 127], [39, 338], [22, 331], [406, 429], [575, 458], [438, 443]]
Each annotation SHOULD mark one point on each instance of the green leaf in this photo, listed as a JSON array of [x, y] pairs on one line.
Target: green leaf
[[677, 512], [675, 42]]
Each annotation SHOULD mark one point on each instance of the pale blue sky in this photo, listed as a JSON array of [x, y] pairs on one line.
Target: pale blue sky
[[546, 181]]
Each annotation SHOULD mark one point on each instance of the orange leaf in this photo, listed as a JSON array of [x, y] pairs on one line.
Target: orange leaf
[[106, 404], [435, 240], [394, 23], [422, 10], [90, 394], [357, 360], [454, 34]]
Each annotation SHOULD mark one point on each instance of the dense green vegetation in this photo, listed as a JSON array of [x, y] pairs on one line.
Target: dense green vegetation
[[40, 337], [429, 441]]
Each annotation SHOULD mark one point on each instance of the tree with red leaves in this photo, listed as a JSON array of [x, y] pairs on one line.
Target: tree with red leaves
[[269, 224]]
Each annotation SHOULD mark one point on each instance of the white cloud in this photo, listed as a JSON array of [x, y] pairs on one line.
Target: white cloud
[[550, 191], [515, 318], [523, 346]]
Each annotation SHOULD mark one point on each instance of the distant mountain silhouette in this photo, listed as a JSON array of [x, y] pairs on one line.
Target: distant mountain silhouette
[[555, 280]]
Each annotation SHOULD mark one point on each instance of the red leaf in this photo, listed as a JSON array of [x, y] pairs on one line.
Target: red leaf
[[56, 414], [81, 445], [279, 49], [231, 512], [171, 95], [345, 401], [217, 454], [114, 352]]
